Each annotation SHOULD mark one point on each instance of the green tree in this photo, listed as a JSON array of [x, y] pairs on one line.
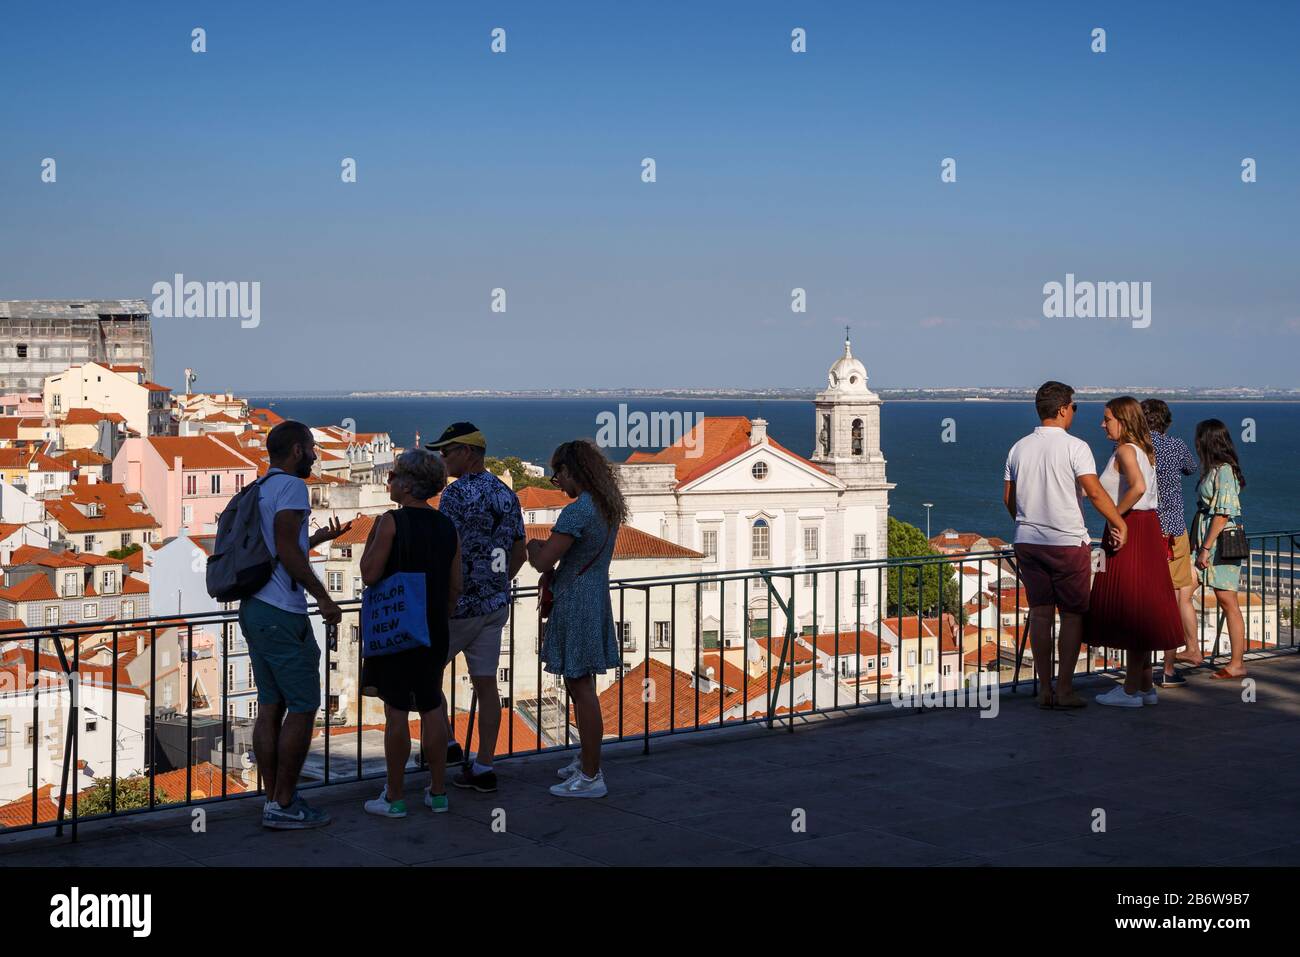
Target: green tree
[[132, 793], [515, 466], [124, 552], [908, 541]]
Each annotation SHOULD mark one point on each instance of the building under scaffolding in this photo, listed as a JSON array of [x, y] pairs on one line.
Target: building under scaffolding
[[43, 337]]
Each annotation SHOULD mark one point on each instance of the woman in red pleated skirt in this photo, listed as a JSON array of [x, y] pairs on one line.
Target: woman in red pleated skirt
[[1133, 606]]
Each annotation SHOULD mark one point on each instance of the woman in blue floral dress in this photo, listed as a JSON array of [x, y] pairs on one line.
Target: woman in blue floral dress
[[581, 641], [1218, 505]]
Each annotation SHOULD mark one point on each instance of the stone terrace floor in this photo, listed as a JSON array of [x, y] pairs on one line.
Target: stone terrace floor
[[1204, 778]]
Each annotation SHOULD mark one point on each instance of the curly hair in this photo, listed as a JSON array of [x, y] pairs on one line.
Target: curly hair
[[422, 471], [595, 475], [1129, 413]]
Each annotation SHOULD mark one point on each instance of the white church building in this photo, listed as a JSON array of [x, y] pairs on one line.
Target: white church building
[[746, 502]]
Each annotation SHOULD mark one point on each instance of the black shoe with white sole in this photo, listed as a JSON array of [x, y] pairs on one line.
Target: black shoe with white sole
[[485, 783]]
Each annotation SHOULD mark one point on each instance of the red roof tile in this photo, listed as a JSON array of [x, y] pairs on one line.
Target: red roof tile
[[631, 543]]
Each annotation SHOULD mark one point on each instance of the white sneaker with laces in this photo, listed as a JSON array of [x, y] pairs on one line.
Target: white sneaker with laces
[[570, 769], [1149, 697], [581, 786], [1117, 697], [384, 807]]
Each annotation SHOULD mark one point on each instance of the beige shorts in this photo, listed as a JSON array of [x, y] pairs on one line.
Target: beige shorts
[[1180, 566], [479, 639]]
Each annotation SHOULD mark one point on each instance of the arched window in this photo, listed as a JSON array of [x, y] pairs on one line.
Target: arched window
[[857, 436], [826, 435], [760, 549]]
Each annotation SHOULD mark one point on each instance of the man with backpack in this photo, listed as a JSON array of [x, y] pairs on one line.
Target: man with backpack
[[283, 651]]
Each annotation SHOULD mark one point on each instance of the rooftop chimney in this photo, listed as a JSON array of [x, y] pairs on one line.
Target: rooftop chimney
[[758, 431]]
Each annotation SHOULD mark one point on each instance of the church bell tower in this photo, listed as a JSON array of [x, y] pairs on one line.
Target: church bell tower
[[847, 430]]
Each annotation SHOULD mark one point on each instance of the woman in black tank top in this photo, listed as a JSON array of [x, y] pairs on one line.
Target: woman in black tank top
[[413, 538]]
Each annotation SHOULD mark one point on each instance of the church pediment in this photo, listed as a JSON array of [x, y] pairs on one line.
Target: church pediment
[[764, 467]]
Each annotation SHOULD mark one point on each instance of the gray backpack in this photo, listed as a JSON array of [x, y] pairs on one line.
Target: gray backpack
[[240, 564]]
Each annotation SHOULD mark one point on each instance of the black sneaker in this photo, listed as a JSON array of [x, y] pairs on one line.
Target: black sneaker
[[454, 754], [1170, 681], [485, 783]]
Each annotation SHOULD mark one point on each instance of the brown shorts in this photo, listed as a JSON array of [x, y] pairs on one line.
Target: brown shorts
[[1180, 566], [1059, 575]]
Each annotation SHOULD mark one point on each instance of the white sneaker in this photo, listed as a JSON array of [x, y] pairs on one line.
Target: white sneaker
[[1149, 697], [581, 786], [384, 807], [1117, 697], [435, 802], [570, 769]]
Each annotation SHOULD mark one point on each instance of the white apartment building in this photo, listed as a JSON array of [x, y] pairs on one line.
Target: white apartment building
[[145, 405]]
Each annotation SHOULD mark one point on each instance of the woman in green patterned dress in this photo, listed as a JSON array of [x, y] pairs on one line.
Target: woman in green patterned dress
[[1218, 506], [581, 641]]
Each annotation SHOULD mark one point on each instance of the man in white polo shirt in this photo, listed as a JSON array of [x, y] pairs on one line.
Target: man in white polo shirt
[[1048, 473]]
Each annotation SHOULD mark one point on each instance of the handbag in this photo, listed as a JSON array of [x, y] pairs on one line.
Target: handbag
[[393, 611], [545, 595], [1231, 545]]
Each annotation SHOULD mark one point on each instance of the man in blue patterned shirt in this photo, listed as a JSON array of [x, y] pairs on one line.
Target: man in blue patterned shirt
[[1174, 460], [490, 523]]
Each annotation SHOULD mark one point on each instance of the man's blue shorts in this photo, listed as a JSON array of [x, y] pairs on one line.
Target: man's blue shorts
[[285, 656]]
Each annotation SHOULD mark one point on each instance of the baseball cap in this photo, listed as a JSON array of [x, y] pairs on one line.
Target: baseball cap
[[461, 433]]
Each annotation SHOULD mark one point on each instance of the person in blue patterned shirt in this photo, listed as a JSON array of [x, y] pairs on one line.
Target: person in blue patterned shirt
[[490, 523], [1173, 461]]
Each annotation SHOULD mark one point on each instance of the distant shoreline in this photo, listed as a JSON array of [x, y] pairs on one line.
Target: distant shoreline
[[886, 395]]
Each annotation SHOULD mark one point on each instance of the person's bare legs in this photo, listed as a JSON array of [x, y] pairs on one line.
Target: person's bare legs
[[291, 752], [1069, 640], [1236, 630], [489, 718], [397, 749], [1040, 642], [1188, 613], [1140, 668], [266, 740], [591, 726], [433, 735]]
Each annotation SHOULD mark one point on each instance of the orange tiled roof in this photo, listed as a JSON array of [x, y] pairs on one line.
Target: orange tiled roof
[[32, 555], [630, 543], [82, 416], [115, 503], [198, 452], [205, 781], [23, 459], [358, 533], [80, 457], [530, 497], [19, 812], [848, 643], [33, 588], [712, 437], [716, 440]]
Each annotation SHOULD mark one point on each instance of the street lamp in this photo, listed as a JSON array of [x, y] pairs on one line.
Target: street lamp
[[927, 506]]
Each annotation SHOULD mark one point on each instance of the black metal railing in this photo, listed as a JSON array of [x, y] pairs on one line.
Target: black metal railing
[[810, 639]]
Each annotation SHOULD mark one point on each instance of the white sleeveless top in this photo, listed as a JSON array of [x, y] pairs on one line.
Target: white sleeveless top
[[1116, 485]]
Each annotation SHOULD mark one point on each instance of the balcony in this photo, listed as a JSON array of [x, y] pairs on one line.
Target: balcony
[[715, 777]]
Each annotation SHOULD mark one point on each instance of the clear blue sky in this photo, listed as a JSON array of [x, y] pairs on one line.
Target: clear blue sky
[[775, 170]]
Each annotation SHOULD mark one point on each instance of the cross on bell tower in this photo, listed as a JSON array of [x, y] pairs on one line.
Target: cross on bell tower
[[847, 429]]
